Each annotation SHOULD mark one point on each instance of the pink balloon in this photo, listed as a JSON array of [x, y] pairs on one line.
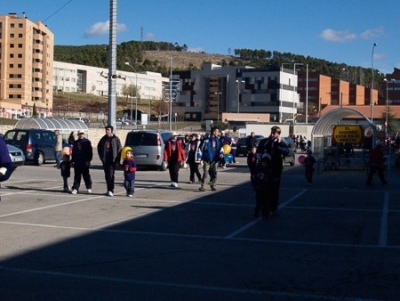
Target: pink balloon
[[301, 159]]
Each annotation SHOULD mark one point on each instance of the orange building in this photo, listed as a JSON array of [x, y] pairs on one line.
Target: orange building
[[325, 91], [26, 66]]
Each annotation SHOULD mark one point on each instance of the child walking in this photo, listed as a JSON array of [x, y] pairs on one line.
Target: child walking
[[129, 166], [262, 178], [65, 167], [309, 164], [252, 162]]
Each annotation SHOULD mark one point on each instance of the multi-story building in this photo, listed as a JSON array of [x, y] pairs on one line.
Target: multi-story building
[[207, 93], [324, 91], [87, 79], [26, 66]]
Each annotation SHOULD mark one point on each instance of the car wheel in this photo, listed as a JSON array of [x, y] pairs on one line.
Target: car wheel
[[164, 166], [38, 159]]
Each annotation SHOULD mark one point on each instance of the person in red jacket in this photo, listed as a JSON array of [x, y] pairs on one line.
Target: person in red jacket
[[174, 154], [376, 163]]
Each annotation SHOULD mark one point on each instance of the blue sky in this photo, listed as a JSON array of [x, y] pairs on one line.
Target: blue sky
[[341, 31]]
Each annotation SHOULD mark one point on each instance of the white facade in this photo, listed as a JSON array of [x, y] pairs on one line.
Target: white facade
[[69, 77]]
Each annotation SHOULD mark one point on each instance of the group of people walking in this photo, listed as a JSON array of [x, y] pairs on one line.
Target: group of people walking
[[109, 150]]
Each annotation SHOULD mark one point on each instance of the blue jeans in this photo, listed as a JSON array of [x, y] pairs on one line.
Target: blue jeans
[[57, 155], [129, 186]]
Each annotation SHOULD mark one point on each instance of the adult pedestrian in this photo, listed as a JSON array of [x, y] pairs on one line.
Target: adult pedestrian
[[71, 138], [174, 154], [276, 148], [194, 158], [6, 167], [109, 150], [250, 142], [233, 150], [377, 161], [212, 153], [57, 148], [82, 155], [309, 165]]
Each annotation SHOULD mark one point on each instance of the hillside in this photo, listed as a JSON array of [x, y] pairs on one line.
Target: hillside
[[156, 57], [188, 60]]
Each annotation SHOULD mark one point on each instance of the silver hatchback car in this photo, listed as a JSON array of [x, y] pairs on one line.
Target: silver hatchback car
[[148, 147]]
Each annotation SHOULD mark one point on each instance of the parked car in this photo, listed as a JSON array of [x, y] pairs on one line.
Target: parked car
[[289, 158], [148, 147], [241, 148], [36, 144], [241, 145], [17, 155]]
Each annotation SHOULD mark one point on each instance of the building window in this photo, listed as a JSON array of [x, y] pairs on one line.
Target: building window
[[20, 55], [20, 35], [11, 45], [11, 55], [19, 45], [11, 65], [20, 25], [11, 35], [19, 65], [12, 25]]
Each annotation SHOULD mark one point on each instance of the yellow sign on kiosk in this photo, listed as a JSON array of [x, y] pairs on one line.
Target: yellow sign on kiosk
[[353, 134]]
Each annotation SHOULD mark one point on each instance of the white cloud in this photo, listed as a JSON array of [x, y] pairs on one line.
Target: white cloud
[[337, 35], [102, 28], [373, 33]]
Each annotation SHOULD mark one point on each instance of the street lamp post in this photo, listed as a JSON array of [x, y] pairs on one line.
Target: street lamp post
[[307, 95], [218, 93], [294, 90], [372, 82], [387, 105], [136, 92]]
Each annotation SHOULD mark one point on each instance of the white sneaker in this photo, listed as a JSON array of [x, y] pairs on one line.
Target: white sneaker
[[3, 171], [175, 184], [130, 195], [109, 193], [89, 191], [74, 191]]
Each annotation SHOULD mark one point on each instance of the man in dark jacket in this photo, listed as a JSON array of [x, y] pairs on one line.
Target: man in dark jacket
[[6, 167], [212, 154], [276, 148], [109, 149], [250, 142], [82, 155]]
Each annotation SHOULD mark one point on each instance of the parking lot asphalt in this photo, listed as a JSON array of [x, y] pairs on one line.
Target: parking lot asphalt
[[335, 240]]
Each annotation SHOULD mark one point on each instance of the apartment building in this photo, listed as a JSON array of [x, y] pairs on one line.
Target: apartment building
[[325, 91], [26, 66], [207, 93]]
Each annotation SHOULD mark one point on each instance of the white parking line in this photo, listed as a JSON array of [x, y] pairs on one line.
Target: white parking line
[[245, 227], [183, 286]]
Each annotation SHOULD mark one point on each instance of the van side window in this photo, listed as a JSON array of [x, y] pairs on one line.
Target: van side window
[[9, 136], [47, 136], [21, 136]]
